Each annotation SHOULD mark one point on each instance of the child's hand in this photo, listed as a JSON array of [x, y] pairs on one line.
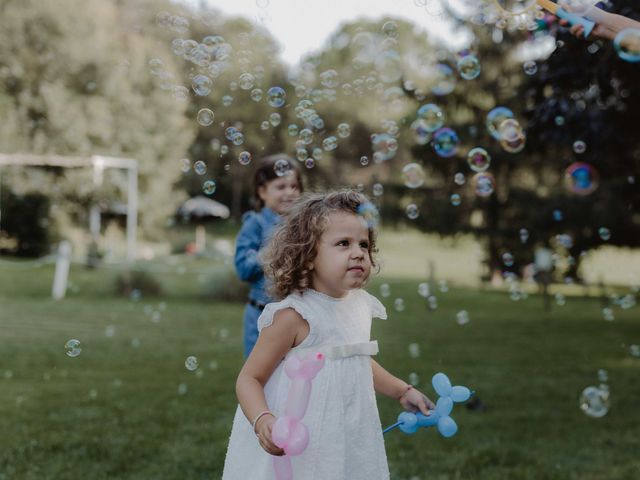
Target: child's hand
[[263, 431], [414, 400]]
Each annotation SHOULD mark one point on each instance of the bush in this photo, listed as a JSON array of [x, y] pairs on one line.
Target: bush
[[143, 282], [225, 286]]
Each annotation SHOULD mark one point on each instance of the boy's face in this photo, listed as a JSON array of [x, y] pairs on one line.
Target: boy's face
[[342, 260], [280, 193]]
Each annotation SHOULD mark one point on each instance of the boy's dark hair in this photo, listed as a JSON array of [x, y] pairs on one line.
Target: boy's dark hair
[[266, 172]]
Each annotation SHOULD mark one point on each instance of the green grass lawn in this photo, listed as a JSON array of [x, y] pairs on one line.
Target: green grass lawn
[[127, 407]]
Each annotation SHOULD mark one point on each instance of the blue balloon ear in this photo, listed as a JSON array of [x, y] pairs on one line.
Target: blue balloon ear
[[444, 405], [460, 393], [441, 384], [447, 427]]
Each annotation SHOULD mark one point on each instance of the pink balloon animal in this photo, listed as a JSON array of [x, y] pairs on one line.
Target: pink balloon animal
[[289, 433]]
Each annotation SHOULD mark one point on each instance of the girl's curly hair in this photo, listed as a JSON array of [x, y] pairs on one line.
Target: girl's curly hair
[[292, 249]]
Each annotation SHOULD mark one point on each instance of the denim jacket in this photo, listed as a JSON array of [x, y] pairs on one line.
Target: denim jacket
[[256, 230]]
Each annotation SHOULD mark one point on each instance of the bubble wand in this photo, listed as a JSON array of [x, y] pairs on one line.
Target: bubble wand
[[409, 422], [570, 17]]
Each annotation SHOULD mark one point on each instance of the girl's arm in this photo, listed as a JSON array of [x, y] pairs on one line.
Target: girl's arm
[[273, 344], [247, 245], [391, 386]]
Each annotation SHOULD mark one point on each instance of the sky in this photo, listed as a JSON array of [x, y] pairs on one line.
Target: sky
[[301, 26]]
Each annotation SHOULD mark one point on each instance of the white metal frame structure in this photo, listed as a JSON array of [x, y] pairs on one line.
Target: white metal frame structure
[[98, 163]]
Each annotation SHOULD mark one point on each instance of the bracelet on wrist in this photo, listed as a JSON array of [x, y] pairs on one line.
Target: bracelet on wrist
[[406, 390], [258, 417]]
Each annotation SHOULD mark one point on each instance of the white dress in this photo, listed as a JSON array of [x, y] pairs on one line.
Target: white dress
[[345, 434]]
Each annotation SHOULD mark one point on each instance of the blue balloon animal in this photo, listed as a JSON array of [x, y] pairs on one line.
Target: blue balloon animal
[[410, 422]]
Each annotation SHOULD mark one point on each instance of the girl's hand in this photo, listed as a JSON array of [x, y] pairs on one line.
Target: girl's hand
[[263, 431], [414, 400]]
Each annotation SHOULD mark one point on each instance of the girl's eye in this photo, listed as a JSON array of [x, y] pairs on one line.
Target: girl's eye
[[364, 245], [343, 243]]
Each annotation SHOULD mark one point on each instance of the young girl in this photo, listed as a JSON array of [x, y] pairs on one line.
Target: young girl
[[319, 260], [277, 185]]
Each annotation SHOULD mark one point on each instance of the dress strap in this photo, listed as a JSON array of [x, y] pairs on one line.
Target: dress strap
[[342, 351]]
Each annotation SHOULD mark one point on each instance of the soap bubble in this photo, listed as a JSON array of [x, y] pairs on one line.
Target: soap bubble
[[247, 81], [607, 314], [421, 131], [432, 116], [274, 119], [329, 78], [398, 304], [385, 290], [462, 317], [72, 347], [627, 44], [478, 159], [530, 67], [524, 235], [344, 130], [209, 187], [581, 178], [441, 79], [634, 350], [604, 233], [256, 94], [483, 184], [384, 146], [205, 117], [412, 211], [469, 67], [413, 175], [579, 146], [330, 143], [390, 29], [186, 165], [200, 167], [377, 190], [244, 158], [414, 350], [423, 290], [594, 402], [495, 118], [292, 130], [276, 96], [445, 142], [201, 85], [282, 167], [414, 379], [507, 259], [459, 178], [455, 199], [191, 363], [364, 160]]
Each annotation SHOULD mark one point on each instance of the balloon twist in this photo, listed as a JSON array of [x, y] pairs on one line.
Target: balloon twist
[[410, 422], [289, 433]]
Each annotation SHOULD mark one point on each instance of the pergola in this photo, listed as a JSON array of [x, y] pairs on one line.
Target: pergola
[[98, 163]]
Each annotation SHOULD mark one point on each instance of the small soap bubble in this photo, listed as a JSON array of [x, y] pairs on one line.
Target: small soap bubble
[[292, 130], [478, 159], [459, 178], [398, 304], [378, 189], [316, 154], [247, 81], [282, 167], [603, 375], [495, 118], [462, 317], [201, 85], [264, 125], [330, 143], [276, 96], [432, 302], [185, 165], [385, 290], [634, 350], [483, 184], [507, 259], [274, 119], [209, 187], [604, 233], [244, 158], [412, 211], [344, 130], [72, 348], [413, 175], [191, 363], [524, 235], [455, 199], [256, 94], [364, 160], [109, 331], [530, 67], [432, 116], [205, 117], [423, 290], [469, 67], [557, 215], [182, 389], [594, 402], [579, 146], [227, 100], [414, 379], [560, 300], [443, 286], [445, 142], [607, 314], [200, 167], [414, 350]]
